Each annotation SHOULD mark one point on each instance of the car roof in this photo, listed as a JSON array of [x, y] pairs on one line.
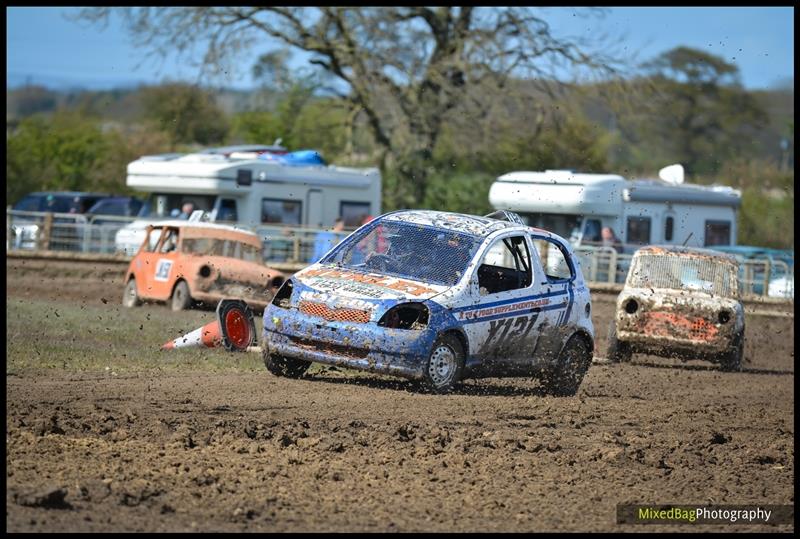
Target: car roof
[[682, 250], [67, 194], [180, 223], [457, 222], [116, 199]]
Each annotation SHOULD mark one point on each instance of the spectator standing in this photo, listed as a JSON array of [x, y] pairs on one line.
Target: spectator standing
[[610, 239], [186, 210]]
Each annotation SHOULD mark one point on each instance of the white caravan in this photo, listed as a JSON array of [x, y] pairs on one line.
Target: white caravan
[[238, 185], [643, 211]]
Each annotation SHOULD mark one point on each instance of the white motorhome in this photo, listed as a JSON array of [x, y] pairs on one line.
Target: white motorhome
[[236, 184], [642, 211]]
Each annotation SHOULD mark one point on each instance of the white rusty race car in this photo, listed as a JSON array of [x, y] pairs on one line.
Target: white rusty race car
[[438, 297], [680, 302]]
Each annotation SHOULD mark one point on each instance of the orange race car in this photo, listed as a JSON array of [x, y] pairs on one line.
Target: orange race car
[[184, 262]]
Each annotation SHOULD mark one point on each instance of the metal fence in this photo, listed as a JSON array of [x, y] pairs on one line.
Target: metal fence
[[62, 231], [297, 245]]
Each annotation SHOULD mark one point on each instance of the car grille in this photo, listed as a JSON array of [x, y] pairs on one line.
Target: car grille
[[338, 315], [683, 327]]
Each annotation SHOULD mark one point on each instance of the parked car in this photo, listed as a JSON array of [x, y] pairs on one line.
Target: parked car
[[59, 201], [680, 302], [117, 206], [437, 297], [184, 262], [26, 229], [751, 279]]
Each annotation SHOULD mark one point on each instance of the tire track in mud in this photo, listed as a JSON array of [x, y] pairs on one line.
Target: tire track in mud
[[251, 452], [238, 452]]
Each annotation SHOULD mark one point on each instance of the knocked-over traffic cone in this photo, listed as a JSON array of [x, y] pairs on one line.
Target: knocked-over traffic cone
[[234, 329]]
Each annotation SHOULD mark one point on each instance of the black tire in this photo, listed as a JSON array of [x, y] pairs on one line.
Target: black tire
[[181, 297], [564, 378], [617, 351], [732, 360], [444, 366], [130, 297], [284, 366]]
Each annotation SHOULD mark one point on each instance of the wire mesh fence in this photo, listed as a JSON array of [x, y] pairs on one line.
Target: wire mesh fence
[[302, 246]]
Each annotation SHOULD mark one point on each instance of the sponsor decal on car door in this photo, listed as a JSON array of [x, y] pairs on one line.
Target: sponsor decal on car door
[[512, 303]]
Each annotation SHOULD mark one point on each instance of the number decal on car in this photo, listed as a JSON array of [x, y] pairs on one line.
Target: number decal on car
[[501, 335], [162, 269]]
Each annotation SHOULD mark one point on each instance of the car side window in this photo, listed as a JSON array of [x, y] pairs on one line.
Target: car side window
[[29, 203], [555, 260], [506, 265], [169, 241], [152, 239]]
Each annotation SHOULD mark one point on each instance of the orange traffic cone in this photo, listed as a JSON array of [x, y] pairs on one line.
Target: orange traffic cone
[[234, 329]]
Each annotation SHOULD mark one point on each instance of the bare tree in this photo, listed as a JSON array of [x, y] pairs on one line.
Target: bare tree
[[403, 68]]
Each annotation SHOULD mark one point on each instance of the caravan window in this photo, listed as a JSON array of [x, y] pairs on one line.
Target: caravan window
[[565, 225], [287, 212], [718, 233], [169, 205], [669, 225], [591, 231], [638, 230], [354, 213], [227, 210]]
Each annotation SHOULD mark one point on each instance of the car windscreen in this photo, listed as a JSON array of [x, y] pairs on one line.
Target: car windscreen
[[221, 247], [703, 274], [411, 251]]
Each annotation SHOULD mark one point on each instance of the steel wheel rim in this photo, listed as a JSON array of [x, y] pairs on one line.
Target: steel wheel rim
[[442, 365]]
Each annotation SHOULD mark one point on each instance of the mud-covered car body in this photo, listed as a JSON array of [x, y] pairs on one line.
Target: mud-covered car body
[[183, 262], [383, 298], [680, 302]]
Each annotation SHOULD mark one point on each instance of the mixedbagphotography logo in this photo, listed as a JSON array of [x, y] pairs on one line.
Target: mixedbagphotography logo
[[705, 514]]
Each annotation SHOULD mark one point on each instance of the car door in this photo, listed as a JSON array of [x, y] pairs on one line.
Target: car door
[[144, 260], [503, 313], [558, 281], [167, 261], [155, 263]]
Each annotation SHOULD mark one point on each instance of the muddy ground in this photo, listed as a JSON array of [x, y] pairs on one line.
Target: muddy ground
[[232, 451]]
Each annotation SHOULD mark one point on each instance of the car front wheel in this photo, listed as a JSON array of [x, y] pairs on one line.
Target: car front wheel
[[130, 298], [444, 366], [181, 298], [284, 366]]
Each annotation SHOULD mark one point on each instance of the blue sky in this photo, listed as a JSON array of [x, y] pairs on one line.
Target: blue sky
[[45, 48]]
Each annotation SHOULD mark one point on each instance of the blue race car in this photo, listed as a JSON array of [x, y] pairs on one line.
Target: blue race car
[[438, 297]]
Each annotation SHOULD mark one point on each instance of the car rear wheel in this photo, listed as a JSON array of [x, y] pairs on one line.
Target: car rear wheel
[[181, 298], [445, 365], [732, 360], [618, 351], [564, 378], [284, 366], [130, 298]]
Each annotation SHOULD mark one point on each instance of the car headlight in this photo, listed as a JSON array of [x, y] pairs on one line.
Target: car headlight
[[406, 316], [283, 296]]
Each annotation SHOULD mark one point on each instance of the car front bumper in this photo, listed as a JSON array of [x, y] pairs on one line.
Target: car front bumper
[[366, 346]]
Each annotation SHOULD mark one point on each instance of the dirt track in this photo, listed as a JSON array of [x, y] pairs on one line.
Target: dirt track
[[218, 452]]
